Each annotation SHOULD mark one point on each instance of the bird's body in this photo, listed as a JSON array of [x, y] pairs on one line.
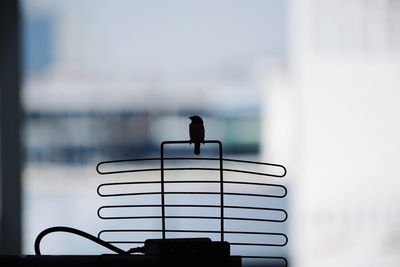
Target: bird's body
[[196, 132]]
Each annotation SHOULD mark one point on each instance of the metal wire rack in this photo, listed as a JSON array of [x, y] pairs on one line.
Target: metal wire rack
[[221, 192]]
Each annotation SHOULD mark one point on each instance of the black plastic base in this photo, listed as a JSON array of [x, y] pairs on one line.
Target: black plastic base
[[116, 260]]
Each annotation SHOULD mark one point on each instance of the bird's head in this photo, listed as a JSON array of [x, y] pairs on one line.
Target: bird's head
[[196, 119]]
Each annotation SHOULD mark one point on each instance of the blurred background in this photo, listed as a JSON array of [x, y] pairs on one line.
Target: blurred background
[[310, 84]]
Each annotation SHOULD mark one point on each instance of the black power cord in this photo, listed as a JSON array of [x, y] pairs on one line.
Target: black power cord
[[83, 234], [184, 248]]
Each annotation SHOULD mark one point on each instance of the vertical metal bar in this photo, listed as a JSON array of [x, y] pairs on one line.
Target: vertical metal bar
[[221, 181], [162, 191], [10, 120]]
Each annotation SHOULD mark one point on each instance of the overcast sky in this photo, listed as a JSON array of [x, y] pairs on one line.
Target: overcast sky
[[173, 37]]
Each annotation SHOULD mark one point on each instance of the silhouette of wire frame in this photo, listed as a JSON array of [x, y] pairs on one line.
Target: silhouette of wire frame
[[221, 193]]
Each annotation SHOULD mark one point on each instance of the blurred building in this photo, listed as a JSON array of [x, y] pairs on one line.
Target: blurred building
[[332, 113], [105, 79]]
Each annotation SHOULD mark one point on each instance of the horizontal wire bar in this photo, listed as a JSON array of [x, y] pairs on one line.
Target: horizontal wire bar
[[153, 182], [191, 231], [191, 182], [232, 244], [191, 169], [201, 231], [189, 158], [190, 206], [184, 206], [189, 217], [191, 193]]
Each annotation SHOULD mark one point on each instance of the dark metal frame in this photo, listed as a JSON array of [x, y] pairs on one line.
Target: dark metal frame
[[10, 126], [221, 181], [221, 193]]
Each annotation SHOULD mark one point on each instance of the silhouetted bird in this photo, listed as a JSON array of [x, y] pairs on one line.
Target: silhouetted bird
[[196, 131]]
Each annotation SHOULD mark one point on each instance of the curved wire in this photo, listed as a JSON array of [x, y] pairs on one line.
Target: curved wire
[[181, 158], [76, 232], [200, 231], [187, 182], [185, 206], [189, 193]]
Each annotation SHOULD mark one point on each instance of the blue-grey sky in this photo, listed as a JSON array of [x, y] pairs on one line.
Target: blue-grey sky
[[170, 38]]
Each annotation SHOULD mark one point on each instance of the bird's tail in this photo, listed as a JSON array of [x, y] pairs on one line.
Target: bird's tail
[[197, 148]]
